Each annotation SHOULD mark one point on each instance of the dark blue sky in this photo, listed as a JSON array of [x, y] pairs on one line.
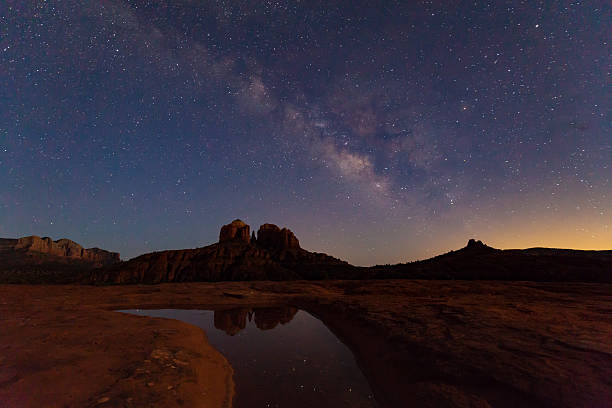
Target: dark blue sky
[[377, 131]]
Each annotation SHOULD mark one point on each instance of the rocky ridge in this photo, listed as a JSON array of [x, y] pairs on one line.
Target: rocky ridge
[[478, 261], [64, 248], [34, 259], [274, 254]]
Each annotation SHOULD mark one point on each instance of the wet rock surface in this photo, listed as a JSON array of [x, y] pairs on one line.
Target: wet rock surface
[[232, 321], [420, 343]]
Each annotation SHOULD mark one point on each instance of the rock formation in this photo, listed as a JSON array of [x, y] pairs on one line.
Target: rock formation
[[236, 231], [476, 245], [478, 261], [267, 318], [62, 248], [274, 255], [271, 236], [232, 321], [41, 260]]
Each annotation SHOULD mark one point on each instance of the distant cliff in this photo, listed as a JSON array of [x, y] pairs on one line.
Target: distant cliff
[[64, 248], [41, 260], [274, 254]]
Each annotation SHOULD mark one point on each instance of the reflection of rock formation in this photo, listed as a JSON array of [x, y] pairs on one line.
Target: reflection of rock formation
[[233, 320], [267, 318]]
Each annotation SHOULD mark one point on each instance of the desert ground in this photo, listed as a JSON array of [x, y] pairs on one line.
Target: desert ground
[[419, 343]]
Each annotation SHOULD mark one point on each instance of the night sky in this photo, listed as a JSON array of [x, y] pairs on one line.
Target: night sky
[[378, 131]]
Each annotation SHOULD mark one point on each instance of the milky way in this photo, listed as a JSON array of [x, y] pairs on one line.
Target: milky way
[[377, 131]]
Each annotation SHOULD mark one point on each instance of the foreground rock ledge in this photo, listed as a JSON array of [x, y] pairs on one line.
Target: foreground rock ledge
[[54, 355], [419, 343]]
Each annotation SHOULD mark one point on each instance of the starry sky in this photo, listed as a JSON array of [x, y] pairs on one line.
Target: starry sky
[[378, 131]]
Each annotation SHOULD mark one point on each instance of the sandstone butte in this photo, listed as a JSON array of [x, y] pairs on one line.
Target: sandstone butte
[[272, 254], [62, 248], [268, 236]]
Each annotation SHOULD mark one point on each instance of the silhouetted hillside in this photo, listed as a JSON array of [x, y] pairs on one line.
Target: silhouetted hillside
[[479, 261], [275, 254]]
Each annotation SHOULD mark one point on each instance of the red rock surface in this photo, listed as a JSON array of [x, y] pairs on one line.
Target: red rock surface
[[271, 236], [63, 248], [231, 321], [236, 231], [419, 343], [42, 260], [274, 255]]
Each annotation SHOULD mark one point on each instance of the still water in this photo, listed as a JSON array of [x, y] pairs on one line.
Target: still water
[[282, 357]]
